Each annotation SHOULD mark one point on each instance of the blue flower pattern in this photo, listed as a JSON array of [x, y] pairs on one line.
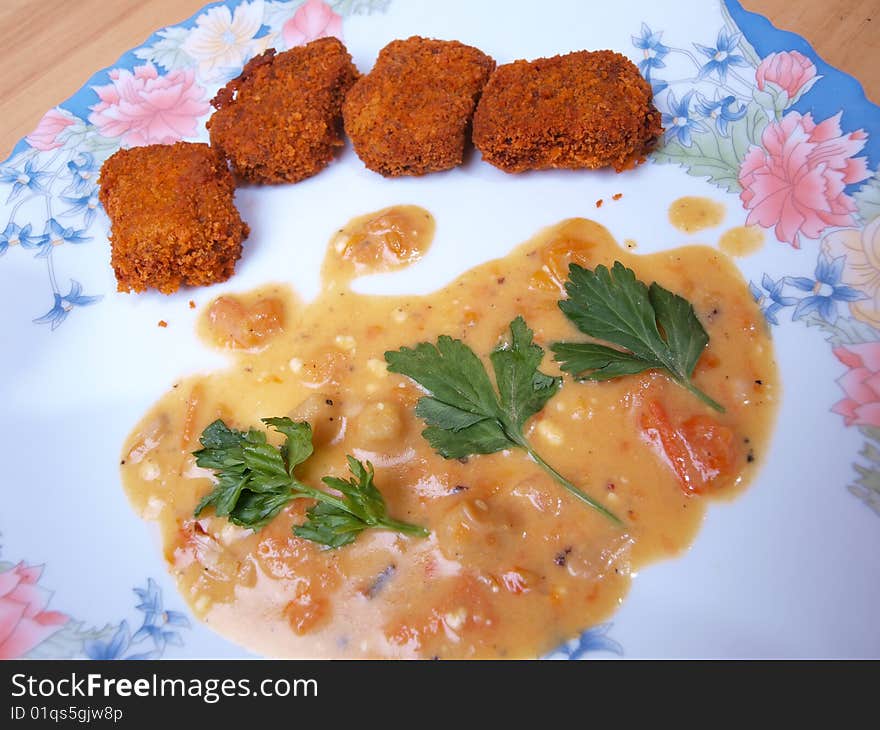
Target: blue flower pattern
[[677, 118], [56, 234], [35, 183], [825, 290], [592, 640], [722, 109], [83, 173], [652, 49], [64, 304], [16, 235], [693, 111], [770, 298], [113, 648], [159, 629], [26, 178], [86, 205], [819, 295], [159, 624], [722, 55]]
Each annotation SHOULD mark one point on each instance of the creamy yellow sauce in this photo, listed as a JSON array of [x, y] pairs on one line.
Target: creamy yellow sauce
[[514, 565], [389, 239], [693, 213], [742, 240]]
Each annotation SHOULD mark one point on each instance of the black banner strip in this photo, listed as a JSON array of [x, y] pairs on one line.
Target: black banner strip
[[394, 694]]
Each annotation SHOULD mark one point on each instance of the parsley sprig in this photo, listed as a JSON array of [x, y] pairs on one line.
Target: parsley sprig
[[656, 328], [338, 521], [255, 480], [464, 413]]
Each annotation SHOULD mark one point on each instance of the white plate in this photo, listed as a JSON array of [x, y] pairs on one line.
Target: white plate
[[789, 569]]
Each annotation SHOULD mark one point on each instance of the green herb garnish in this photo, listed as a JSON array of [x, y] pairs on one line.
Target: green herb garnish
[[658, 329], [255, 480], [464, 413], [337, 521]]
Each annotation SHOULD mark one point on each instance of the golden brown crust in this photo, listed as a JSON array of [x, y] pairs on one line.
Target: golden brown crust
[[583, 109], [280, 120], [411, 114], [173, 220]]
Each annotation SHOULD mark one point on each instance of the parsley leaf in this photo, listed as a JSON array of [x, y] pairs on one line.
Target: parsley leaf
[[464, 413], [338, 522], [658, 329], [524, 389], [297, 447], [255, 480]]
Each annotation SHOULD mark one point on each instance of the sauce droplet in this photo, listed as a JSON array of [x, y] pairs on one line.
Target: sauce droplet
[[691, 214], [742, 240], [385, 240], [242, 322]]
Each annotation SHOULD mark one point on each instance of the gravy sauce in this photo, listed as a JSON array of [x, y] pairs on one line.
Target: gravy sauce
[[514, 566]]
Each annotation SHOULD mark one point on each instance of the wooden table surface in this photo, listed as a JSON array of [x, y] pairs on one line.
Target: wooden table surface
[[48, 48]]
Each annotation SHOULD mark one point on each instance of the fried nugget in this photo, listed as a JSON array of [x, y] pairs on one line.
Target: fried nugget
[[412, 113], [172, 217], [583, 109], [281, 119]]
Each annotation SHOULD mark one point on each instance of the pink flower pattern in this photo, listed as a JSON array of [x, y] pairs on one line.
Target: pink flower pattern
[[313, 19], [141, 107], [861, 384], [796, 180], [791, 71], [45, 136], [24, 620]]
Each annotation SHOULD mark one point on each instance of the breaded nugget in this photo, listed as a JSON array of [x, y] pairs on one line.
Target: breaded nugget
[[583, 109], [281, 119], [172, 217], [411, 114]]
